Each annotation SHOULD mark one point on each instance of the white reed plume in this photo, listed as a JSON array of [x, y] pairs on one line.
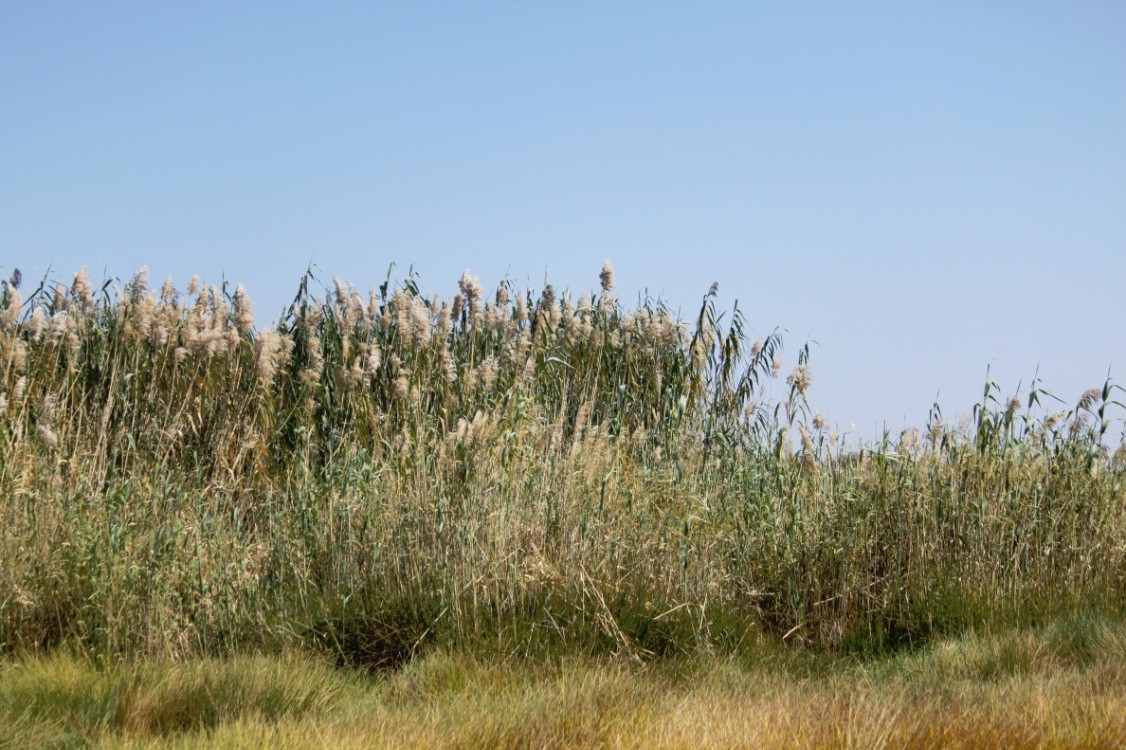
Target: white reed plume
[[271, 349], [489, 372], [82, 290], [59, 324], [19, 389], [421, 327], [470, 286], [15, 354], [372, 361], [60, 298], [341, 292], [168, 293], [607, 277], [244, 311], [800, 379], [46, 435], [140, 284], [449, 368], [445, 321], [37, 324], [1088, 400], [11, 314], [314, 368]]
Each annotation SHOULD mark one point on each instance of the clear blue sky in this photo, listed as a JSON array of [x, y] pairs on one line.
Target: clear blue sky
[[923, 190]]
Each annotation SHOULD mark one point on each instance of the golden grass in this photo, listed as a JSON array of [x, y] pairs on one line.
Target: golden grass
[[1015, 690]]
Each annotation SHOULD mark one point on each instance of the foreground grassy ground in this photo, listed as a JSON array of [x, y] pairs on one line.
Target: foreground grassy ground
[[1059, 685]]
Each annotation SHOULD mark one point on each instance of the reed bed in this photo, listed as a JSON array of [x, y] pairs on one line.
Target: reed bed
[[531, 472]]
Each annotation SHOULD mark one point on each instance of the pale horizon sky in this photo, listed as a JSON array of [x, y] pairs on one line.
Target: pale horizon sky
[[924, 190]]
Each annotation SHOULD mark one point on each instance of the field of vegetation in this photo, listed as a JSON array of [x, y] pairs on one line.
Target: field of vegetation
[[533, 518]]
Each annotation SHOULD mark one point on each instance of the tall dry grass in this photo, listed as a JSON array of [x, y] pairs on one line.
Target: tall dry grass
[[527, 472]]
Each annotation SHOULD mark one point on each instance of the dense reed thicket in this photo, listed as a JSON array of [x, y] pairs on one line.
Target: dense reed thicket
[[529, 473]]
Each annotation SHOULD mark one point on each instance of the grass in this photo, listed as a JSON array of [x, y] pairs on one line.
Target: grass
[[1023, 688], [395, 484]]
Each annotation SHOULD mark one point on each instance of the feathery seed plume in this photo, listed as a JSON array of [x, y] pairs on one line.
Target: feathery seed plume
[[470, 286], [489, 372], [140, 284], [37, 324], [371, 363], [800, 379], [244, 311], [269, 346], [11, 313], [607, 277], [82, 290], [46, 435], [59, 301], [1088, 399]]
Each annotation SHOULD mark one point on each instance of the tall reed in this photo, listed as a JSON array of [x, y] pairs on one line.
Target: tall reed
[[529, 471]]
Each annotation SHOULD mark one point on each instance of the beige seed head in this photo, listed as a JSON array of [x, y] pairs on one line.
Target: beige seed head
[[269, 347], [800, 379], [470, 286], [81, 288], [371, 363], [244, 311], [46, 435], [60, 298], [15, 354], [607, 303], [449, 369], [1088, 399], [140, 284], [11, 314], [37, 325], [607, 277], [445, 321], [19, 389], [489, 372], [58, 324]]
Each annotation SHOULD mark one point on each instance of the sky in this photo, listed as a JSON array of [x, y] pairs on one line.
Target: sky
[[922, 191]]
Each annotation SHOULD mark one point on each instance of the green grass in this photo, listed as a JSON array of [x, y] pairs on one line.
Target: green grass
[[1061, 685]]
